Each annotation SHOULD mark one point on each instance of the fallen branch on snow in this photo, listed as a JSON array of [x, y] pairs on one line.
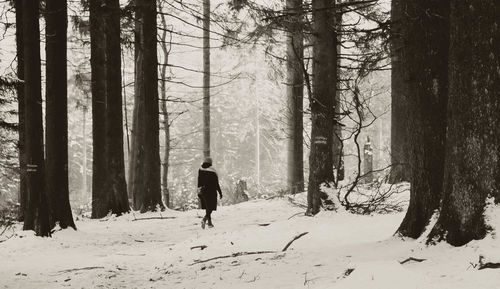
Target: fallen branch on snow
[[411, 259], [231, 256], [201, 247], [293, 240], [80, 269], [487, 265], [154, 218]]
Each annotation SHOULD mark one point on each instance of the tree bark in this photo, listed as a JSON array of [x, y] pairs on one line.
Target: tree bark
[[37, 210], [21, 110], [427, 40], [295, 96], [56, 163], [98, 88], [322, 101], [147, 174], [116, 187], [165, 113], [400, 172], [472, 167], [206, 78], [337, 142]]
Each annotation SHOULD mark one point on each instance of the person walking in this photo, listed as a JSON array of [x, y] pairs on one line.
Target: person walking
[[208, 186]]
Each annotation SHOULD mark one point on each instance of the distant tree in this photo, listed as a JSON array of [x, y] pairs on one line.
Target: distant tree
[[146, 171], [206, 78], [37, 213], [295, 95], [400, 170], [21, 109], [425, 33], [164, 110], [56, 155], [115, 186], [472, 162], [321, 102], [98, 89]]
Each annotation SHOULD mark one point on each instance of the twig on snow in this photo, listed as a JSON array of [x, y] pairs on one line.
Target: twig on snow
[[293, 240], [201, 247], [231, 256], [153, 218], [80, 269], [411, 259]]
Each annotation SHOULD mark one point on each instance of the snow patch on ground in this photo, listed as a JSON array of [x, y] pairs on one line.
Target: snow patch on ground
[[124, 252]]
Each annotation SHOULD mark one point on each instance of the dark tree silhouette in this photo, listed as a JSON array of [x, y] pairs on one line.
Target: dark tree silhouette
[[145, 170], [295, 95], [321, 102], [98, 88], [56, 163], [426, 38], [472, 165], [37, 212]]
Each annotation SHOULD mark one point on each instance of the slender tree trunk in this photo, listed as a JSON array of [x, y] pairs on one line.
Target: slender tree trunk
[[165, 113], [21, 109], [98, 87], [84, 152], [206, 78], [37, 209], [147, 195], [472, 167], [295, 96], [56, 163], [337, 143], [116, 187], [322, 101], [400, 172], [426, 34]]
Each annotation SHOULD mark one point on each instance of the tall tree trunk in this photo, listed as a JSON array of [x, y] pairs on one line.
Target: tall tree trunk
[[337, 143], [399, 93], [147, 175], [295, 96], [37, 209], [116, 187], [56, 163], [21, 109], [206, 78], [98, 87], [426, 34], [472, 167], [165, 113], [322, 101]]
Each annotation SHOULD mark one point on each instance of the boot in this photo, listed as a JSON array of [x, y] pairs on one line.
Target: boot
[[203, 222], [210, 225]]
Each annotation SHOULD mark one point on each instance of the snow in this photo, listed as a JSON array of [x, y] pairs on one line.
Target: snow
[[341, 250]]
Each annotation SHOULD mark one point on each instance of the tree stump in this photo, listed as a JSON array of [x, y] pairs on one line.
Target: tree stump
[[240, 194]]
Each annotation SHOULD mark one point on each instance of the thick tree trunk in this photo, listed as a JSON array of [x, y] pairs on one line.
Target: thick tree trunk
[[426, 34], [37, 209], [295, 95], [322, 110], [206, 78], [400, 172], [116, 187], [472, 167], [56, 163], [147, 174], [98, 87], [21, 110]]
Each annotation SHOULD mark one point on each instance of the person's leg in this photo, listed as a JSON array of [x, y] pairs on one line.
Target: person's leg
[[206, 218], [209, 219]]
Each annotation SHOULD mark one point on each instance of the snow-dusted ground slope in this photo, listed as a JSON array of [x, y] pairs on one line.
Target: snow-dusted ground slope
[[341, 250]]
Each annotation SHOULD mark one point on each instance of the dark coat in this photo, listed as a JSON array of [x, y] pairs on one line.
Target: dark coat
[[208, 184]]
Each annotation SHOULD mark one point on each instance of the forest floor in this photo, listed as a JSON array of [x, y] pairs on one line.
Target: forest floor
[[340, 250]]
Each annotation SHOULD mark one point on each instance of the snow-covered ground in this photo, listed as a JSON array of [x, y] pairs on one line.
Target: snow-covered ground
[[341, 250]]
